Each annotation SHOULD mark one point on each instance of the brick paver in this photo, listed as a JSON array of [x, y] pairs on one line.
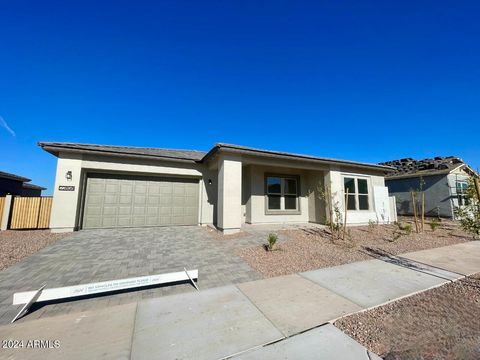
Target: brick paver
[[107, 254]]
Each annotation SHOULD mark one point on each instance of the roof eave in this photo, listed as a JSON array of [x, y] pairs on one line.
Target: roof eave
[[56, 149], [284, 156]]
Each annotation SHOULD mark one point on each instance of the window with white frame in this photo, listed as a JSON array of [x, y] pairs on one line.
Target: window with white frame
[[282, 193], [462, 187], [358, 196]]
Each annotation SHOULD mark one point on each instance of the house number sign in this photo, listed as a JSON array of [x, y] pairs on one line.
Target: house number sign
[[66, 188]]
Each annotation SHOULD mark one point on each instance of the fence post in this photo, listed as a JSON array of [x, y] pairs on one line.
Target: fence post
[[7, 207]]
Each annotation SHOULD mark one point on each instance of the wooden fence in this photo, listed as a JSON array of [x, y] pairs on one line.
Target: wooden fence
[[31, 212], [2, 205]]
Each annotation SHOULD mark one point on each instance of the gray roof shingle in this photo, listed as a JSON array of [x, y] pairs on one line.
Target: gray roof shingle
[[55, 147]]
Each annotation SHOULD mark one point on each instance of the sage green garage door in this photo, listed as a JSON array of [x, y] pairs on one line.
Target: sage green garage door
[[125, 201]]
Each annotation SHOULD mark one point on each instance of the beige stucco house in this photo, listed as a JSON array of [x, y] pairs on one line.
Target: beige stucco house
[[100, 186]]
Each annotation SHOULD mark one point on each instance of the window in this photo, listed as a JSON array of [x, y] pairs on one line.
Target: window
[[358, 198], [462, 193], [282, 193]]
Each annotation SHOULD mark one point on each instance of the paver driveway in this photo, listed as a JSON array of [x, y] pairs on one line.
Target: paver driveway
[[99, 255]]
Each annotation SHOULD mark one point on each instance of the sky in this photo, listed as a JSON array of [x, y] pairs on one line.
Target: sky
[[360, 80]]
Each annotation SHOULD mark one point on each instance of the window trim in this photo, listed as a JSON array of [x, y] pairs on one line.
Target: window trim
[[462, 199], [282, 195], [357, 194]]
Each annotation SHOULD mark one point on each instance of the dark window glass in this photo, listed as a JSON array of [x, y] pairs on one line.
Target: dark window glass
[[363, 202], [274, 185], [290, 202], [351, 202], [362, 186], [290, 186], [350, 185], [274, 202]]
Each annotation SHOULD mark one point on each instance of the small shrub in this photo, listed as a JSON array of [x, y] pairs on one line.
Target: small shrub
[[272, 239], [372, 225], [408, 228], [434, 224]]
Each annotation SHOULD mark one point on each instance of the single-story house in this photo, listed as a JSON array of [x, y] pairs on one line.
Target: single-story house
[[442, 179], [99, 186], [18, 185]]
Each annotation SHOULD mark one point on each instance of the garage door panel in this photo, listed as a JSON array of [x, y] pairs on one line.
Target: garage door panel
[[95, 210], [178, 201], [153, 200], [125, 199], [110, 199], [109, 221], [93, 222], [110, 210], [122, 201], [126, 188], [124, 221], [139, 221], [95, 199]]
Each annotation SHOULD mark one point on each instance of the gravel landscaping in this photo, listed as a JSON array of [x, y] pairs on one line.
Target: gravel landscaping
[[312, 248], [16, 245], [441, 323]]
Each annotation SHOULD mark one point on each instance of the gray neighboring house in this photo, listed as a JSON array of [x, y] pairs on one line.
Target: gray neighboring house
[[443, 179], [101, 186], [18, 185]]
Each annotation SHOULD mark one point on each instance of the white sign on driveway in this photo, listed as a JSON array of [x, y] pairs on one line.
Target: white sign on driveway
[[105, 286]]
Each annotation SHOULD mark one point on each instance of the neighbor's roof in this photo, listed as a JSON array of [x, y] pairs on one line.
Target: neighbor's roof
[[408, 167], [56, 147], [33, 186], [197, 156], [5, 175]]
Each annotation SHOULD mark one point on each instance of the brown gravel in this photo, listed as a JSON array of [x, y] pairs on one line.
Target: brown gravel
[[442, 323], [16, 245], [312, 248]]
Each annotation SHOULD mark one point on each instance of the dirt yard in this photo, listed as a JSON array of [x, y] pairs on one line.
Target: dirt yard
[[442, 323], [312, 248], [16, 245]]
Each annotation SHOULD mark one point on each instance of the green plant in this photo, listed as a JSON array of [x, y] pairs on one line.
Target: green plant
[[272, 240], [372, 225], [469, 214], [434, 224], [408, 228]]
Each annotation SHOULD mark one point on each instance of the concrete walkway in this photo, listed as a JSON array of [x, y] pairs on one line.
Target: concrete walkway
[[287, 317]]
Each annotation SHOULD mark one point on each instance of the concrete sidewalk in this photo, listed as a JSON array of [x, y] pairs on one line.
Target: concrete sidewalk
[[287, 316]]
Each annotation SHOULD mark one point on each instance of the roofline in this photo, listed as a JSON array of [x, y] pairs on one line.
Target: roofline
[[56, 148], [433, 173], [290, 156], [33, 186], [14, 177]]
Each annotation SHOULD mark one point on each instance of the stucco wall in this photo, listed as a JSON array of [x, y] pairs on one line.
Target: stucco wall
[[335, 179], [229, 214], [437, 195], [66, 209], [257, 213]]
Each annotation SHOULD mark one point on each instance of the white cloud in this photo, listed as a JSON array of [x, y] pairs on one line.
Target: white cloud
[[4, 124]]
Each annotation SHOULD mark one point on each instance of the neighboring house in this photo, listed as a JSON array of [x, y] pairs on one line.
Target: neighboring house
[[100, 186], [443, 180], [17, 185]]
